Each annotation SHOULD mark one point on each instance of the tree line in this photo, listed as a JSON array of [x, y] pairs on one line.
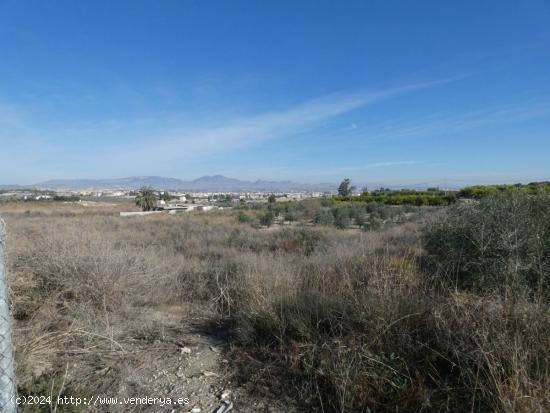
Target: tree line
[[431, 196]]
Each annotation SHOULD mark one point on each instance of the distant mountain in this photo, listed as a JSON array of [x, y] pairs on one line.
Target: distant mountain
[[215, 183], [220, 183]]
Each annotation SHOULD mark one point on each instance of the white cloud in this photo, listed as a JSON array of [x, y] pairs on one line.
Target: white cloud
[[445, 124], [184, 143], [166, 139], [389, 163]]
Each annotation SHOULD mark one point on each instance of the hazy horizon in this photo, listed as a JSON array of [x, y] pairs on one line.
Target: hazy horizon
[[87, 183]]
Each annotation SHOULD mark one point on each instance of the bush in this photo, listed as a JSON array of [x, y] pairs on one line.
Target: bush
[[267, 219], [401, 198], [290, 217], [342, 218], [373, 223], [483, 191], [324, 217], [499, 243], [360, 220], [61, 198], [362, 334], [242, 217]]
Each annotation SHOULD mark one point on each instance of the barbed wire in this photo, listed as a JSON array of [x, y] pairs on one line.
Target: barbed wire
[[7, 375]]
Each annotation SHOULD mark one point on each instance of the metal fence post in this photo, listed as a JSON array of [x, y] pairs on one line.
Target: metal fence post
[[7, 375]]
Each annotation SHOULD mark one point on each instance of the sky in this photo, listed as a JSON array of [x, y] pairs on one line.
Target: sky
[[391, 92]]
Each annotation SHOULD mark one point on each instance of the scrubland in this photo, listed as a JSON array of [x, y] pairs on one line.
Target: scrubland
[[447, 310]]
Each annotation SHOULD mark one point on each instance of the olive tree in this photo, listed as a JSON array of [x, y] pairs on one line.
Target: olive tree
[[500, 243]]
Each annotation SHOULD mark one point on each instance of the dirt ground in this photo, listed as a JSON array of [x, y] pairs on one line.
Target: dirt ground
[[186, 359]]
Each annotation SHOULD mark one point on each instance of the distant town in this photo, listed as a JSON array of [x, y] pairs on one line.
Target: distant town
[[166, 196]]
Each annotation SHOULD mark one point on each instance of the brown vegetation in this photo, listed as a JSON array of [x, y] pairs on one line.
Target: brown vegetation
[[340, 320]]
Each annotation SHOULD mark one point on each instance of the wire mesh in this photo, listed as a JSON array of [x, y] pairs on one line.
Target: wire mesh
[[7, 376]]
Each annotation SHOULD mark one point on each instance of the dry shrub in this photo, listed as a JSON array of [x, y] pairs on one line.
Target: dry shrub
[[327, 332], [353, 327], [342, 320], [500, 349], [76, 283], [81, 281]]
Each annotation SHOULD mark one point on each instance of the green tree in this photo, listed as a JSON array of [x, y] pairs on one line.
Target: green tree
[[242, 217], [345, 188], [146, 198], [342, 218], [271, 199], [267, 219], [324, 217]]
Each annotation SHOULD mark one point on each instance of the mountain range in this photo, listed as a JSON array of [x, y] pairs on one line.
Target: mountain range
[[214, 183]]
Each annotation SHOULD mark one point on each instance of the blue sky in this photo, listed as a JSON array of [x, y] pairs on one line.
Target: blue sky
[[393, 92]]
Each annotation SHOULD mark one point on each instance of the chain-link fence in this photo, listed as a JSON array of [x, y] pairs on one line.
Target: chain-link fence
[[7, 375]]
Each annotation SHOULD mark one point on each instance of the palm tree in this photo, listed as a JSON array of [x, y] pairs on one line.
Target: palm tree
[[146, 198]]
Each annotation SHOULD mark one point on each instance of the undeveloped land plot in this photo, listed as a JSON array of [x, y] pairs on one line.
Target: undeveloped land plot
[[194, 305]]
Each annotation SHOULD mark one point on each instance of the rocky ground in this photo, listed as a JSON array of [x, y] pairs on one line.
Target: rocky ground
[[188, 358]]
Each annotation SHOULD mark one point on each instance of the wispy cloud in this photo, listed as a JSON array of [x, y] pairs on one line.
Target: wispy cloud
[[445, 124], [184, 142], [390, 163], [169, 139], [367, 166]]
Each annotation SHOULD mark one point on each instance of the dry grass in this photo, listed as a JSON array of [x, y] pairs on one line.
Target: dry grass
[[339, 320]]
